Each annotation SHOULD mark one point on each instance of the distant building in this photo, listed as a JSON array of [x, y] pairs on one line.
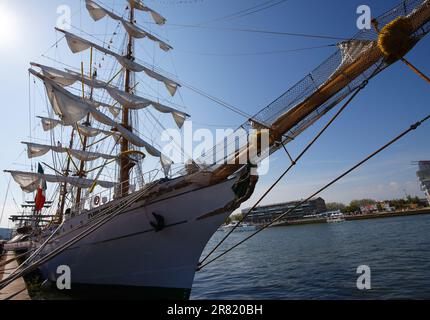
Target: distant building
[[423, 202], [370, 208], [269, 213], [424, 177], [386, 207]]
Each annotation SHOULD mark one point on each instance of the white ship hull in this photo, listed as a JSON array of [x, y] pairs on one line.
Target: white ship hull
[[127, 253]]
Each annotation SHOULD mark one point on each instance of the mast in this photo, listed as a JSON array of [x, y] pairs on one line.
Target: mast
[[63, 193], [125, 163], [87, 123]]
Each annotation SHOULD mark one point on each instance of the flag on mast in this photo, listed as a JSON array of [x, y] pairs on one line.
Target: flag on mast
[[41, 191]]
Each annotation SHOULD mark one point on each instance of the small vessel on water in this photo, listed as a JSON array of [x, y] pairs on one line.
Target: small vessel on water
[[335, 217], [241, 227], [124, 219]]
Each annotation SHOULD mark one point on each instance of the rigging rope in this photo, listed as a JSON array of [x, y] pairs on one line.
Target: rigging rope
[[257, 10], [238, 14], [218, 101], [258, 53], [293, 164], [5, 199], [359, 164], [249, 30], [5, 263], [107, 215]]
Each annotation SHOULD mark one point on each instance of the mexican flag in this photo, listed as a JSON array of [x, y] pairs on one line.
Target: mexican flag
[[41, 191]]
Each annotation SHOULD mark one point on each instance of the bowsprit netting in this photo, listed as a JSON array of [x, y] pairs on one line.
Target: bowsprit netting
[[354, 62]]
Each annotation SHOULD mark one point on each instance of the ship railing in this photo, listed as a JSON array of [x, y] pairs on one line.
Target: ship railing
[[92, 201]]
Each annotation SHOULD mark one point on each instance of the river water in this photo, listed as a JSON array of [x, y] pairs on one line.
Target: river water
[[320, 262]]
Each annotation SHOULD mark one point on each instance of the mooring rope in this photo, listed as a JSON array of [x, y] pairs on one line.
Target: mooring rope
[[118, 210], [5, 263], [359, 164]]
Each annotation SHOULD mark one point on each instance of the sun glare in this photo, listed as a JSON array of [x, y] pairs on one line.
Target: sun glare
[[8, 27]]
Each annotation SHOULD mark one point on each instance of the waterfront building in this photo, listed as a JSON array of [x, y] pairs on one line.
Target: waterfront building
[[370, 208], [268, 213], [424, 177]]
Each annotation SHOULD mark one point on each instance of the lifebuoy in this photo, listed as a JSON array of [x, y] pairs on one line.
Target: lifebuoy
[[96, 200]]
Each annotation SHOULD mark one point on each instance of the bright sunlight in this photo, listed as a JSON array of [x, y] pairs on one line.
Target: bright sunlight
[[8, 27]]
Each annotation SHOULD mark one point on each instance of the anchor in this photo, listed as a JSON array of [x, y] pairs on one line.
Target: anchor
[[160, 223]]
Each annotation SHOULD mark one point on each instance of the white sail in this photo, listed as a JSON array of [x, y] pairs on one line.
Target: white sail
[[69, 78], [65, 105], [35, 150], [72, 109], [132, 101], [78, 44], [49, 124], [137, 32], [114, 111], [29, 182], [91, 132], [97, 12], [60, 77], [125, 99], [135, 102], [138, 4]]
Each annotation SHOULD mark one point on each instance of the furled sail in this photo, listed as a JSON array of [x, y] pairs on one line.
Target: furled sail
[[29, 182], [65, 78], [72, 109], [35, 150], [352, 50], [60, 77], [97, 12], [78, 44], [69, 78], [132, 101], [135, 102], [138, 4], [49, 124], [115, 111]]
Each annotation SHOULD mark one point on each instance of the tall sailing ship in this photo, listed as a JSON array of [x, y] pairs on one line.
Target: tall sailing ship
[[144, 233]]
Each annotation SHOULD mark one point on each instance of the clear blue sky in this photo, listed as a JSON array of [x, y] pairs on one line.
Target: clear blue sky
[[222, 63]]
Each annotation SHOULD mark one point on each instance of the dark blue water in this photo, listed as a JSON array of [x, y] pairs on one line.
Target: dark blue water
[[320, 262], [5, 233]]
